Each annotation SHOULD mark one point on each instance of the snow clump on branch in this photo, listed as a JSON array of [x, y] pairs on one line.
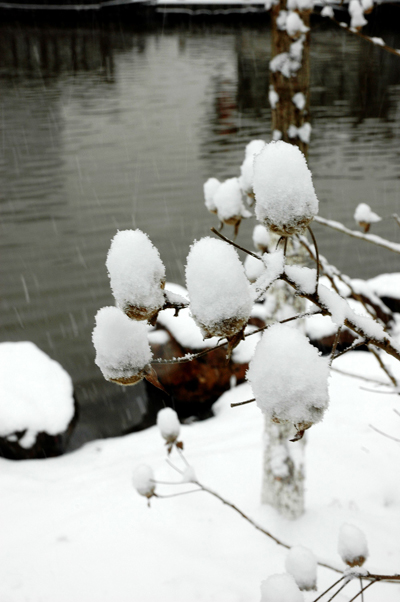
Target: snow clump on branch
[[229, 203], [289, 378], [123, 352], [220, 294], [285, 197], [302, 565], [143, 480], [210, 188], [137, 274], [280, 588], [352, 545], [169, 425], [364, 216]]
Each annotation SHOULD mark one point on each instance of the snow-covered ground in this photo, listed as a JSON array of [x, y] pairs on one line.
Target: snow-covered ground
[[74, 529]]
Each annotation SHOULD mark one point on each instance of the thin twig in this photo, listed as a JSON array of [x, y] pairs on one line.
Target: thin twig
[[228, 240], [383, 366], [176, 494], [354, 345], [396, 392], [384, 434], [335, 344], [361, 377], [397, 218], [242, 403], [338, 591], [316, 256], [360, 593], [329, 589]]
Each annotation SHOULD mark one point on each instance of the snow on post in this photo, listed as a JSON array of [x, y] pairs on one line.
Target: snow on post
[[285, 197], [220, 294], [122, 348], [280, 588], [143, 480], [36, 393], [169, 425], [210, 188], [352, 545], [302, 565], [137, 274], [289, 378], [364, 216]]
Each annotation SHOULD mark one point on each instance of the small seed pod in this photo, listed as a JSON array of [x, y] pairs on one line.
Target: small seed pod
[[364, 216], [143, 480], [285, 197], [229, 203], [352, 545], [210, 187], [137, 275], [221, 298], [168, 423], [123, 352]]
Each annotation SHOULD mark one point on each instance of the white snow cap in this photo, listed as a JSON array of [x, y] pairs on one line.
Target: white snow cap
[[246, 169], [122, 347], [364, 214], [356, 12], [220, 294], [280, 588], [253, 267], [276, 135], [261, 238], [327, 11], [210, 188], [352, 545], [254, 147], [273, 97], [36, 393], [136, 271], [295, 25], [228, 200], [168, 423], [289, 378], [299, 100], [302, 565], [143, 480], [285, 197]]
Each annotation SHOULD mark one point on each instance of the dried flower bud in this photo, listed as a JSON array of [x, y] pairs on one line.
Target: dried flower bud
[[169, 425], [143, 480], [352, 545]]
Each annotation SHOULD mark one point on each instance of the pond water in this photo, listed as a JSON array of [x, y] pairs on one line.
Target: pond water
[[108, 127]]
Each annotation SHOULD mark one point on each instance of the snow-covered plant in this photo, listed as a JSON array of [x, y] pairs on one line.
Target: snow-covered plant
[[143, 480], [289, 378], [364, 216], [285, 197], [209, 189], [169, 425], [123, 352], [220, 295], [301, 563], [280, 588], [352, 545], [228, 201], [137, 274]]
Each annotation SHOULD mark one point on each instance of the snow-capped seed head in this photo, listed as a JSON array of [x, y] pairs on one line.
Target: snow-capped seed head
[[364, 216], [352, 545], [220, 295], [169, 425], [253, 268], [229, 202], [253, 148], [289, 378], [285, 197], [210, 188], [280, 588], [122, 348], [137, 274], [302, 565], [246, 171], [143, 480], [261, 238]]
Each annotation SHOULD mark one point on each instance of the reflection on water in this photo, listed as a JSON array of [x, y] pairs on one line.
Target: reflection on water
[[107, 128]]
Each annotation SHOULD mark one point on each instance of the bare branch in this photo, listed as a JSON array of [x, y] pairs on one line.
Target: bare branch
[[242, 403], [384, 434], [383, 366]]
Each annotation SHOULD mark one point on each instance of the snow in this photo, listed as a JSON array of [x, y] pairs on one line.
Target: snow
[[74, 528], [253, 267], [182, 327], [364, 214], [169, 425], [228, 200], [327, 11], [295, 25], [352, 545], [136, 271], [302, 565], [281, 20], [285, 197], [276, 135], [243, 353], [254, 147], [122, 347], [386, 285], [299, 100], [273, 97], [261, 238], [356, 12], [220, 294], [210, 187], [378, 41], [36, 393], [246, 172], [143, 480], [280, 588], [288, 377], [274, 264], [305, 278]]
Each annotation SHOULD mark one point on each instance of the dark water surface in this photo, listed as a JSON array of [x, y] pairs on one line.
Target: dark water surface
[[108, 127]]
